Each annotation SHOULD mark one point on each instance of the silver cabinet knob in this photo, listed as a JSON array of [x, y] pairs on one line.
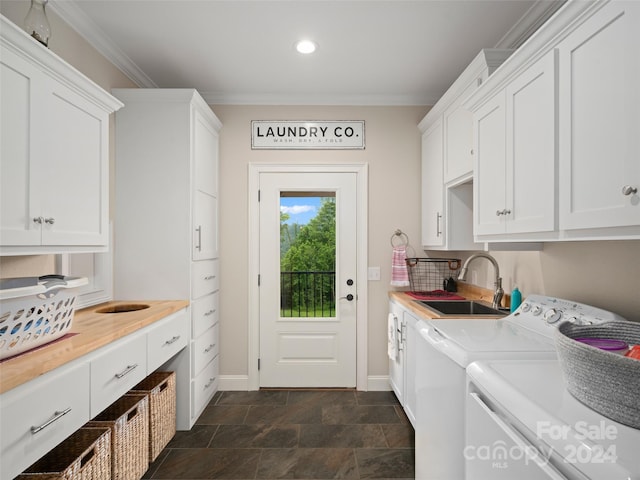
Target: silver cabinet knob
[[50, 220], [504, 211], [499, 212], [629, 190], [38, 220]]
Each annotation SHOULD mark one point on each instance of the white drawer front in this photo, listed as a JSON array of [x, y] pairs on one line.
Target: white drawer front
[[203, 387], [116, 370], [32, 418], [167, 338], [205, 313], [205, 348], [204, 278]]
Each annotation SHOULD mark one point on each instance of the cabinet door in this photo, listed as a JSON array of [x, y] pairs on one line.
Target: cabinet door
[[432, 187], [411, 398], [599, 75], [205, 145], [396, 366], [531, 149], [205, 232], [489, 170], [20, 83], [74, 186], [458, 137]]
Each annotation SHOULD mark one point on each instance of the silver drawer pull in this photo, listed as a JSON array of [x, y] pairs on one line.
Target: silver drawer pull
[[208, 349], [210, 382], [56, 416], [173, 340], [127, 370], [209, 277], [210, 312]]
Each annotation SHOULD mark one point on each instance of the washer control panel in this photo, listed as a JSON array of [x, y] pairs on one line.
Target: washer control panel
[[543, 314]]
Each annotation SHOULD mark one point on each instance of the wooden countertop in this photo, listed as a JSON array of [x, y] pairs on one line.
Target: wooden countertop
[[93, 330]]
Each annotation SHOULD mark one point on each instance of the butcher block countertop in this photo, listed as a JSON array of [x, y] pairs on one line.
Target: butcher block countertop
[[90, 331]]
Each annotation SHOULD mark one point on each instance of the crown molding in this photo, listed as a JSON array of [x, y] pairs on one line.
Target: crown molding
[[531, 21], [71, 14]]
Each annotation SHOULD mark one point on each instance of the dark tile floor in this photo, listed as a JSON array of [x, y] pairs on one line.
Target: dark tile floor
[[293, 434]]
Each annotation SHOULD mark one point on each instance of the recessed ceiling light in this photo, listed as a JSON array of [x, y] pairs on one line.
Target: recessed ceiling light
[[306, 47]]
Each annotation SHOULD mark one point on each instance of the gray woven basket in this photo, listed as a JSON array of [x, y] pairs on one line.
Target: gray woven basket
[[607, 382]]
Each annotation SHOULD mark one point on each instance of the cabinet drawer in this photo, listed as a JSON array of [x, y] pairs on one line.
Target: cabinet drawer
[[204, 278], [166, 339], [204, 313], [116, 370], [41, 404], [205, 348], [203, 386]]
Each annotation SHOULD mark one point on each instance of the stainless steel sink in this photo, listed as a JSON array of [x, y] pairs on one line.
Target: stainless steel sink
[[462, 308]]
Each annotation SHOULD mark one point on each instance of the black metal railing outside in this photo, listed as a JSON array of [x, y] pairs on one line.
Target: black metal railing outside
[[307, 294]]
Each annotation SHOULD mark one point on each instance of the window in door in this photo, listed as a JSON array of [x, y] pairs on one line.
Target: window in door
[[307, 254]]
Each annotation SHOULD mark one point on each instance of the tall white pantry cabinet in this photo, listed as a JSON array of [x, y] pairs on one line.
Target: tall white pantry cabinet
[[166, 227]]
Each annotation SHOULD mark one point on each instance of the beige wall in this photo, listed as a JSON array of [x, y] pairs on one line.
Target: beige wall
[[393, 155], [606, 274]]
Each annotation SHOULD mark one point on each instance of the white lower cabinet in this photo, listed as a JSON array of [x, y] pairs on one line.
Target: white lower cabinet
[[410, 398], [167, 338], [38, 415], [204, 385], [115, 370], [397, 364], [402, 369], [35, 417]]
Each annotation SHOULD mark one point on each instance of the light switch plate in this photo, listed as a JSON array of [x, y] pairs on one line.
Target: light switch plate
[[374, 273]]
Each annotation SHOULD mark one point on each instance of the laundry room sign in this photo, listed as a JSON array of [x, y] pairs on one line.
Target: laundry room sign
[[338, 134]]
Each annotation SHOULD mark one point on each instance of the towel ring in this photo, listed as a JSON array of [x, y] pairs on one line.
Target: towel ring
[[403, 239]]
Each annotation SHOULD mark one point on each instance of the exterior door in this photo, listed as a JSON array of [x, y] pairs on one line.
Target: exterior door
[[310, 342]]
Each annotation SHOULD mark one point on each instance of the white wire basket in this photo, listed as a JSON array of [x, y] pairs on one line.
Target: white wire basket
[[35, 311]]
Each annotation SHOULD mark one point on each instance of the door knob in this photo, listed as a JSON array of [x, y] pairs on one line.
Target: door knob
[[348, 297]]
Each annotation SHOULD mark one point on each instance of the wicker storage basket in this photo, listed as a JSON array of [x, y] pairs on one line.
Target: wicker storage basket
[[428, 274], [85, 455], [604, 381], [161, 389], [128, 419]]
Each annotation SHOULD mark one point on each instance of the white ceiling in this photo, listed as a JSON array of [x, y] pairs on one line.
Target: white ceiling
[[390, 52]]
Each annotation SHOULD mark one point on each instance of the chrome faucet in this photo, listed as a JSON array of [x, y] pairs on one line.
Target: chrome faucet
[[497, 295]]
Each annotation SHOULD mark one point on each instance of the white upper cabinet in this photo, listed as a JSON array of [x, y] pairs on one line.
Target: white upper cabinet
[[562, 114], [447, 160], [515, 173], [432, 187], [458, 145], [599, 121], [54, 166]]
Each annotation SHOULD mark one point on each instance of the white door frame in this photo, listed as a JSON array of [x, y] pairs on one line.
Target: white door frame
[[361, 171]]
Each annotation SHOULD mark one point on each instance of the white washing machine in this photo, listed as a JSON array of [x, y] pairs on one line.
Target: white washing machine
[[445, 349], [523, 424]]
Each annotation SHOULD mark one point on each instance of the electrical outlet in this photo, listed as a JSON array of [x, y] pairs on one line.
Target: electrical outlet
[[374, 273]]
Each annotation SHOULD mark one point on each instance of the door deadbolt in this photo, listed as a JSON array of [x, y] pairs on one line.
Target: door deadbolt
[[349, 282]]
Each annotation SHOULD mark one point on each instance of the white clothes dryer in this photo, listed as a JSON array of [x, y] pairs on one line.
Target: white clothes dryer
[[445, 349]]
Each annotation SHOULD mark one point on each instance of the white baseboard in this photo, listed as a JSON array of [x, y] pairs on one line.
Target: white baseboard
[[240, 383], [378, 383]]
